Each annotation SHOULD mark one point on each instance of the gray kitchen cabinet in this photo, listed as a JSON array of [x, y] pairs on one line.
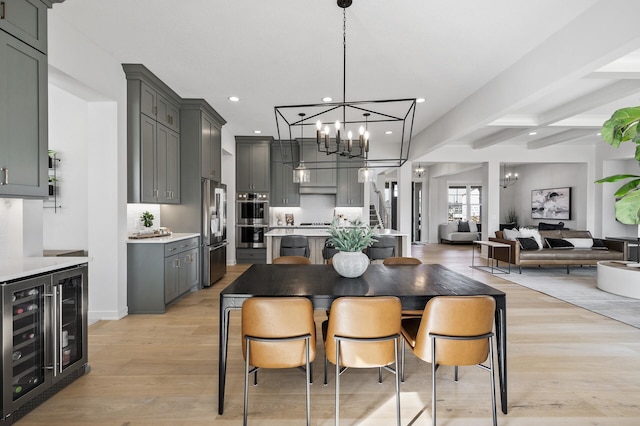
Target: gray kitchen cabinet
[[25, 20], [349, 193], [153, 141], [23, 119], [201, 137], [323, 179], [154, 105], [253, 164], [284, 192], [159, 273]]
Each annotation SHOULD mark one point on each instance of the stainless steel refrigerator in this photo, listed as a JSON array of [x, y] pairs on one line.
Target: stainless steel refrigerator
[[214, 231]]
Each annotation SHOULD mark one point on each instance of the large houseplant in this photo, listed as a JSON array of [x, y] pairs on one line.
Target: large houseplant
[[624, 125], [350, 261]]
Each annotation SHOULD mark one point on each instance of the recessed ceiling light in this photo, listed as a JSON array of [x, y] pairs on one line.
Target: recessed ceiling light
[[533, 133], [327, 99], [257, 132], [388, 132], [234, 98], [420, 100]]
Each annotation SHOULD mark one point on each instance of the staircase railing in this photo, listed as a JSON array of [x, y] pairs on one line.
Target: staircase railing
[[380, 206]]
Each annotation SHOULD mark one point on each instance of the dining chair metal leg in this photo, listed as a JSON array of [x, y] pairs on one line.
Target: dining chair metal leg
[[455, 373], [337, 392], [402, 342], [308, 381], [433, 380], [325, 370], [380, 375], [493, 383], [246, 384], [397, 367]]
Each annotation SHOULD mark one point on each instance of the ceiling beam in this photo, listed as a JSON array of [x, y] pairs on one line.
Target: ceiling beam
[[500, 136], [595, 38], [602, 96], [567, 135]]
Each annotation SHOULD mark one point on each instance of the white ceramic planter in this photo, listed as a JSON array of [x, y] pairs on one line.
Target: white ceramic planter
[[350, 264]]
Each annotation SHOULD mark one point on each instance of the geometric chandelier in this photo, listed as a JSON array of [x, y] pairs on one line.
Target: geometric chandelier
[[348, 129]]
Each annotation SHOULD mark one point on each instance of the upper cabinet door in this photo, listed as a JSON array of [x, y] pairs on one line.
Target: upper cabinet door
[[23, 119], [168, 114], [26, 20], [148, 100]]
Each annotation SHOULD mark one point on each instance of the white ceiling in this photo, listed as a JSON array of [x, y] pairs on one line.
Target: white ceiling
[[491, 71]]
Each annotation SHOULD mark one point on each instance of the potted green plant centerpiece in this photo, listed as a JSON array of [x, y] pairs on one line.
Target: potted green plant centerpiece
[[624, 125], [147, 219], [350, 261]]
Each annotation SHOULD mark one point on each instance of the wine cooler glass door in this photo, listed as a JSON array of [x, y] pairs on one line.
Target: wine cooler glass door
[[24, 308], [71, 342]]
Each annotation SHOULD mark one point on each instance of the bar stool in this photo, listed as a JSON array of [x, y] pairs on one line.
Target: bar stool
[[383, 248], [294, 245], [329, 250]]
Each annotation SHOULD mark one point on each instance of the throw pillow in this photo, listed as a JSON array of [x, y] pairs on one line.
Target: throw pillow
[[533, 233], [558, 243], [511, 234], [473, 227], [550, 226], [463, 226], [528, 243], [582, 243], [598, 244]]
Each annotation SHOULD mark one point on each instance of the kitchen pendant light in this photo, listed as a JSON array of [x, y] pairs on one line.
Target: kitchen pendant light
[[390, 120], [301, 174]]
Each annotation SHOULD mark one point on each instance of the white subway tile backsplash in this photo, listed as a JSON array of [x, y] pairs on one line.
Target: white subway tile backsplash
[[134, 211]]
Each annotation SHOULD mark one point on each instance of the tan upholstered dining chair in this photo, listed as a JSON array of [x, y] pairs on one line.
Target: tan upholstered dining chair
[[277, 332], [363, 332], [409, 313], [291, 260], [454, 330], [401, 261]]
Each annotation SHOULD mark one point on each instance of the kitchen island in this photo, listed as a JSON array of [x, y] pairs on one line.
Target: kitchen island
[[317, 237]]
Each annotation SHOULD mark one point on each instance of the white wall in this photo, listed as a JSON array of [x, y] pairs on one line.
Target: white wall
[[67, 227], [83, 70]]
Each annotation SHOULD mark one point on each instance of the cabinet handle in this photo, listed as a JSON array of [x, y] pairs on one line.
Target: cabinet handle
[[155, 110], [4, 10], [5, 176], [169, 119], [176, 263], [173, 249]]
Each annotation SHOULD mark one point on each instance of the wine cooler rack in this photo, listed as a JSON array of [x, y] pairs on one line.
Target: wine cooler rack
[[47, 342]]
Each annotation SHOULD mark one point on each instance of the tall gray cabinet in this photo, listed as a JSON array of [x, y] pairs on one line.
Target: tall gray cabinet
[[349, 193], [284, 193], [23, 98], [153, 139], [253, 163]]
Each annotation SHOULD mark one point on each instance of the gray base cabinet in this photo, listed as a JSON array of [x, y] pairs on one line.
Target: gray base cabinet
[[158, 274]]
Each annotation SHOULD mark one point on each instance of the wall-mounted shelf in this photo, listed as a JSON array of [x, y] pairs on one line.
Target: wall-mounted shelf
[[53, 202]]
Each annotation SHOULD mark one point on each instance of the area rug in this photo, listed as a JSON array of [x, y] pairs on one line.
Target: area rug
[[578, 288]]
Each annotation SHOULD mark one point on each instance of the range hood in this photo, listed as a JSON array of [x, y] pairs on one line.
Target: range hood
[[318, 190]]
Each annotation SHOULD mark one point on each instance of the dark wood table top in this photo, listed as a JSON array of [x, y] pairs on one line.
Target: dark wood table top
[[414, 284]]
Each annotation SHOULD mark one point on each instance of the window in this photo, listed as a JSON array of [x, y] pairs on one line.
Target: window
[[464, 203]]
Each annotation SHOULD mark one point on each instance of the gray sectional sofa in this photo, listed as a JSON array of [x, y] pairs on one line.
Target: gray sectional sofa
[[457, 233]]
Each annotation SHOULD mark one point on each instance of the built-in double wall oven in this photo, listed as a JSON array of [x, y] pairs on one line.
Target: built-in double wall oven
[[252, 219]]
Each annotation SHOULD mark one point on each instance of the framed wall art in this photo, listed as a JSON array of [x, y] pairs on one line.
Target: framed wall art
[[552, 203]]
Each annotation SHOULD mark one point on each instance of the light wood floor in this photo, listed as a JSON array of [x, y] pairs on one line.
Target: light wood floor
[[567, 366]]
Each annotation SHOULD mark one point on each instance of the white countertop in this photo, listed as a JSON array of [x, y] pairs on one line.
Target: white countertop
[[315, 232], [176, 236], [12, 269]]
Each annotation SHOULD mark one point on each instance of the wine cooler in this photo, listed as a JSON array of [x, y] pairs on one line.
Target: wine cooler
[[44, 338]]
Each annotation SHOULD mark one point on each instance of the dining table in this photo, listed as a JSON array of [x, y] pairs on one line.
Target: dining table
[[414, 285]]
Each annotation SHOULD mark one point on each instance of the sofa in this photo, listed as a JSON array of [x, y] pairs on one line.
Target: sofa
[[556, 247], [458, 232]]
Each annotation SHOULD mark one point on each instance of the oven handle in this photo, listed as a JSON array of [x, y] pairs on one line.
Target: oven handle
[[251, 226]]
